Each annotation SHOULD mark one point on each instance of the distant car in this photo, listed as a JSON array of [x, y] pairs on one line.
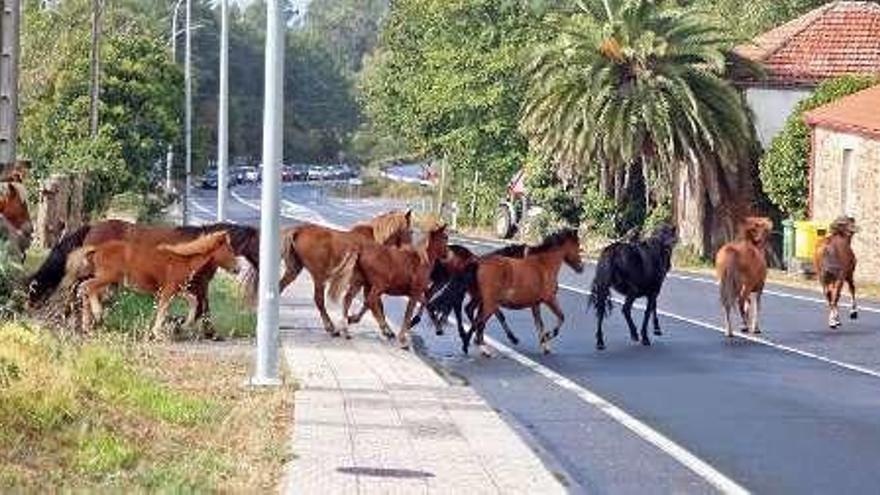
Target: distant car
[[286, 173], [251, 175], [210, 180]]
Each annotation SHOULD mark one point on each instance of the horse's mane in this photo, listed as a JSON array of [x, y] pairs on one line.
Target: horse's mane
[[554, 240], [18, 188], [386, 225], [460, 251], [202, 245], [238, 234], [841, 226], [510, 251]]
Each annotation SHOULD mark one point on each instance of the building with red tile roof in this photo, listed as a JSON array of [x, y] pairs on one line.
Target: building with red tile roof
[[836, 39], [844, 170]]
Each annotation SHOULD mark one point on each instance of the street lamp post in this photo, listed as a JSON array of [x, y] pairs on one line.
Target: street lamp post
[[187, 75], [266, 369], [169, 158], [223, 118]]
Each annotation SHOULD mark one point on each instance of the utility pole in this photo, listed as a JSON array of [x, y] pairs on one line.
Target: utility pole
[[187, 75], [223, 118], [266, 370], [95, 93], [9, 31], [169, 159]]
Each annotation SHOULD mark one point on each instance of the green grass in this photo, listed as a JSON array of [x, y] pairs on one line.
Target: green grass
[[102, 453]]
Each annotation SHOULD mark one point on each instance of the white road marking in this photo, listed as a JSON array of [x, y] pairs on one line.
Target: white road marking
[[750, 338], [645, 432], [200, 207]]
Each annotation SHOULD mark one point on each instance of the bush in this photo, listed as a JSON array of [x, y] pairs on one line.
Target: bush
[[784, 167], [599, 214], [11, 274]]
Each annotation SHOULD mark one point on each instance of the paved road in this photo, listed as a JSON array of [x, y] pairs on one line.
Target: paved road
[[797, 411]]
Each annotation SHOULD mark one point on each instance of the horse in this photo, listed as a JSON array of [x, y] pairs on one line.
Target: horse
[[15, 219], [245, 242], [322, 250], [741, 269], [634, 269], [519, 283], [165, 271], [450, 285], [397, 271], [835, 263]]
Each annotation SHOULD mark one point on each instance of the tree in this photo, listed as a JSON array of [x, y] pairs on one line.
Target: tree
[[636, 88], [349, 27], [784, 167]]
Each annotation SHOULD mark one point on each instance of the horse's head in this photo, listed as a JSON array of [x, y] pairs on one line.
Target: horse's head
[[13, 206], [567, 242], [845, 226], [223, 254], [666, 234], [437, 243], [393, 228], [757, 229]]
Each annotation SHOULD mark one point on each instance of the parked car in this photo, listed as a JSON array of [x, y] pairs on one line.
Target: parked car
[[210, 180], [286, 173]]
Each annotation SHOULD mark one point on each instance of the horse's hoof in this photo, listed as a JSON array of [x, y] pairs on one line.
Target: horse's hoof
[[646, 342], [854, 315], [600, 346], [547, 351], [744, 330], [658, 332], [439, 333], [335, 334], [634, 337], [756, 331], [485, 352], [514, 341]]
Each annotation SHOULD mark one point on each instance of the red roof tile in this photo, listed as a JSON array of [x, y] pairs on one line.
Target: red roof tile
[[857, 113], [833, 40]]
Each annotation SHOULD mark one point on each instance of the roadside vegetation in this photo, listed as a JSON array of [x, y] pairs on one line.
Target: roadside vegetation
[[102, 414]]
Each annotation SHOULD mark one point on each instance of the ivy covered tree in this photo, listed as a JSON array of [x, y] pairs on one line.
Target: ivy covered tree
[[784, 168]]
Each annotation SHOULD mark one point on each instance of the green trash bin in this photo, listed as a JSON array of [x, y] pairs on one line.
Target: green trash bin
[[788, 236]]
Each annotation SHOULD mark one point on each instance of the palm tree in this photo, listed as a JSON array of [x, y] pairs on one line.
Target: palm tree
[[638, 86]]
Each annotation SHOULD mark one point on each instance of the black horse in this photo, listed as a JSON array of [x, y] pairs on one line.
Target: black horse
[[451, 281], [634, 269]]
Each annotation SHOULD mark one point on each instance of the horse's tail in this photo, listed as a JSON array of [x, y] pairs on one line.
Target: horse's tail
[[78, 265], [51, 273], [600, 292], [729, 283], [451, 295], [341, 275], [292, 262]]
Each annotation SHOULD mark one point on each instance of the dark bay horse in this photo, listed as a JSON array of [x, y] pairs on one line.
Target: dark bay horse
[[245, 241], [741, 269], [520, 283], [387, 270], [322, 250], [15, 219], [835, 264], [634, 269], [165, 271]]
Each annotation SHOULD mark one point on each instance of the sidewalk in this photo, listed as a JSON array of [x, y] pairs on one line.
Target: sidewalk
[[371, 418]]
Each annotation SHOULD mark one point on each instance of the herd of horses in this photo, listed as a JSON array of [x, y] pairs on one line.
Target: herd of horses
[[381, 258]]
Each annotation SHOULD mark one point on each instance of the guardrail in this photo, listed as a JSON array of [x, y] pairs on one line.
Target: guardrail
[[406, 179]]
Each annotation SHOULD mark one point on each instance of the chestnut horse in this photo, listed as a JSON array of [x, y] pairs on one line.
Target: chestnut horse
[[741, 268], [397, 271], [519, 283], [15, 220], [165, 271], [245, 242], [322, 250], [835, 263]]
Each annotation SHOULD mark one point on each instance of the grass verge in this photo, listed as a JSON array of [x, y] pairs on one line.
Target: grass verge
[[105, 415]]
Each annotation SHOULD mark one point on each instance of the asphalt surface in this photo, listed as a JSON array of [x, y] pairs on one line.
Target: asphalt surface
[[796, 411]]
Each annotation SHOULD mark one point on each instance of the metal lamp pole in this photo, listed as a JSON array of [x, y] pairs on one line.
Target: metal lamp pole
[[187, 74], [169, 158], [266, 369], [223, 118]]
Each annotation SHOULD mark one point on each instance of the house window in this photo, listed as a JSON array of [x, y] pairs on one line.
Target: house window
[[848, 183]]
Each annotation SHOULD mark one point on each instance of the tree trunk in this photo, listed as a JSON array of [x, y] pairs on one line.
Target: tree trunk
[[95, 89], [689, 207], [52, 211]]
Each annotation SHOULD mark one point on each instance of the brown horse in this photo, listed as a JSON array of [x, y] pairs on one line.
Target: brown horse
[[519, 283], [245, 242], [322, 251], [397, 271], [741, 268], [165, 271], [15, 219], [835, 263]]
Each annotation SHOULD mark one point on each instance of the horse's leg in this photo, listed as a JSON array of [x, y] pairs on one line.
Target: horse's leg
[[553, 304], [374, 302], [364, 308], [199, 288], [486, 312], [649, 310], [291, 271], [854, 309], [543, 337], [507, 331], [756, 314], [161, 312], [462, 334], [193, 301], [837, 290], [322, 309], [346, 306], [403, 337], [627, 313], [657, 330]]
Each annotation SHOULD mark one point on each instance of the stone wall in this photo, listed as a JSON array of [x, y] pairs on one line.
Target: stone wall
[[826, 194]]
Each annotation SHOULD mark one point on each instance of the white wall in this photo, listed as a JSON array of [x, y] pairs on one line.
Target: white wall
[[772, 108]]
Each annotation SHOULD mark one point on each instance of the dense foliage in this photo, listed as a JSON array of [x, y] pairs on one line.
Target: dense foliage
[[784, 168]]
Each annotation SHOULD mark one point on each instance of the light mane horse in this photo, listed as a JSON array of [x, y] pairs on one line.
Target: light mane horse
[[741, 268], [835, 264], [322, 251]]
